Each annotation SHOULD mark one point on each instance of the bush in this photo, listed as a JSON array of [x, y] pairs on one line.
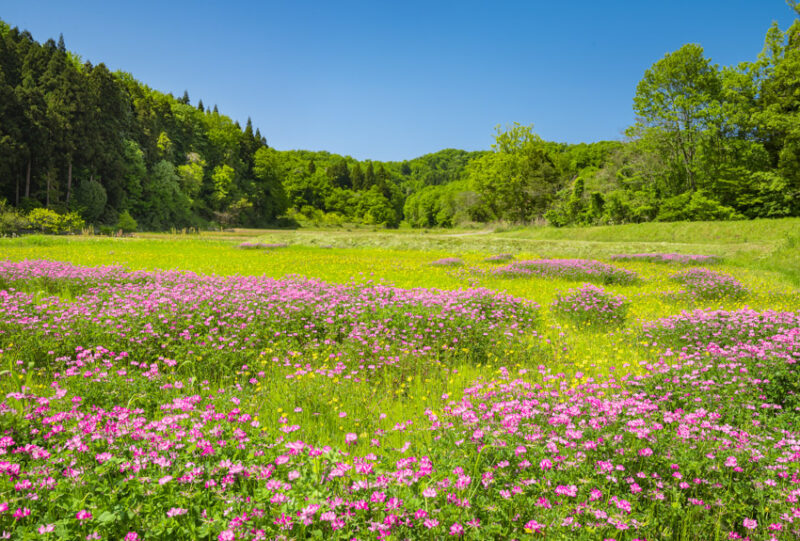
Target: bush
[[11, 220], [694, 207], [499, 258], [70, 222], [679, 259], [126, 222], [46, 220]]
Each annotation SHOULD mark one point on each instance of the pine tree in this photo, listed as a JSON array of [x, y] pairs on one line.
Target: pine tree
[[369, 177], [357, 177]]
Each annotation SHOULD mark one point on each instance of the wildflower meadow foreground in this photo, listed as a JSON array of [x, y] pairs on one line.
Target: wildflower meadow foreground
[[174, 405]]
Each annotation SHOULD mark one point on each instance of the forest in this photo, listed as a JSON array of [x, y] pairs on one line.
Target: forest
[[83, 146]]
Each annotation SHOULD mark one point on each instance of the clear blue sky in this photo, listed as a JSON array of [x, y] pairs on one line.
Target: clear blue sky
[[393, 80]]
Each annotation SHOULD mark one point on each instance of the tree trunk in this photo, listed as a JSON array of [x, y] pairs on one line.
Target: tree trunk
[[28, 180], [47, 195], [16, 199], [69, 179]]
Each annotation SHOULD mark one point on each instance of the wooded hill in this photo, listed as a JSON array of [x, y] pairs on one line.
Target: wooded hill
[[710, 142]]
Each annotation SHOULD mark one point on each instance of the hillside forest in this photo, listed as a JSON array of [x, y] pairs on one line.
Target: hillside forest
[[84, 145]]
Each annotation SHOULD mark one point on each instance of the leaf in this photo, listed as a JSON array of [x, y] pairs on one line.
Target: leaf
[[106, 517]]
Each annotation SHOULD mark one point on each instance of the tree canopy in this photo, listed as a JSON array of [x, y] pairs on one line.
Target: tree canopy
[[709, 142]]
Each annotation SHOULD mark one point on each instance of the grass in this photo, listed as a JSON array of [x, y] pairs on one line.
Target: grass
[[293, 379]]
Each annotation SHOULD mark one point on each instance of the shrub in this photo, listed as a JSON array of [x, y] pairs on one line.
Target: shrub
[[70, 223], [126, 222], [260, 246], [46, 220], [11, 220], [694, 207]]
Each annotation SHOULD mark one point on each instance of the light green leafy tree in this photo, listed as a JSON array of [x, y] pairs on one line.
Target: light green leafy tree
[[519, 179], [223, 178], [191, 174], [679, 97]]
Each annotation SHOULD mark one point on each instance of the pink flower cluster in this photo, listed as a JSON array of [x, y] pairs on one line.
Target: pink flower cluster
[[680, 259], [591, 304], [568, 269], [707, 284], [143, 419]]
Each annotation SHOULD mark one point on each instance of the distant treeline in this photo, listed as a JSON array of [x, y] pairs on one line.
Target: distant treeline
[[709, 143]]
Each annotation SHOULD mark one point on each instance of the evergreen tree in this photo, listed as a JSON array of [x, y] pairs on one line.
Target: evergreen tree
[[357, 177], [369, 177]]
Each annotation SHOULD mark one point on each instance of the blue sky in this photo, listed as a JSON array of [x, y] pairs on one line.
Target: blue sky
[[394, 80]]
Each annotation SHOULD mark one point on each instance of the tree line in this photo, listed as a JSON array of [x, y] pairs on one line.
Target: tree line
[[709, 143]]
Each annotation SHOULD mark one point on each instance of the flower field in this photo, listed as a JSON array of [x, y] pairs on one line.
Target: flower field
[[372, 395]]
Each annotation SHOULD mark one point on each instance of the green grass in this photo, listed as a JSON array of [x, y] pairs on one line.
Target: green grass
[[762, 255], [767, 262]]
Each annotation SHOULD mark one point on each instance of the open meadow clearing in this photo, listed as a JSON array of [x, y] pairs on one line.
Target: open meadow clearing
[[474, 384]]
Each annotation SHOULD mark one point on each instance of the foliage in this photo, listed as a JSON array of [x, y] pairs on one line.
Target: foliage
[[126, 222], [694, 206], [12, 221], [48, 221], [445, 206], [709, 143], [91, 198], [519, 179]]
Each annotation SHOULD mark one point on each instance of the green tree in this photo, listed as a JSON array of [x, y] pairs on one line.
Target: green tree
[[191, 174], [519, 179], [679, 97], [90, 199], [126, 223], [339, 174], [369, 177], [165, 204], [270, 199], [223, 177], [357, 176]]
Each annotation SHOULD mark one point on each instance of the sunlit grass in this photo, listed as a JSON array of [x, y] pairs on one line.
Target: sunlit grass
[[284, 384]]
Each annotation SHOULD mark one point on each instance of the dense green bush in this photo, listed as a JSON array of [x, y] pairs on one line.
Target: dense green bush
[[126, 223], [49, 221], [695, 206], [11, 220]]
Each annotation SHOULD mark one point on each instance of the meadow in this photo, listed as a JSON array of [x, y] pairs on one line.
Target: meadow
[[517, 384]]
